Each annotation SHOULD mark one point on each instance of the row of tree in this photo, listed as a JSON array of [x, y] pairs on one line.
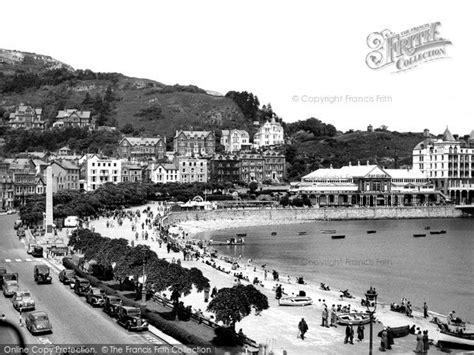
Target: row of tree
[[116, 258]]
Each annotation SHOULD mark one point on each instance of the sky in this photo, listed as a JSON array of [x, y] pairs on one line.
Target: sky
[[306, 58]]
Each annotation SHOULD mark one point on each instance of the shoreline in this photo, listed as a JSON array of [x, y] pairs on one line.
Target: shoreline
[[274, 326]]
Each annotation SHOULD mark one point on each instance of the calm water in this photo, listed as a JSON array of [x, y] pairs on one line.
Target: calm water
[[438, 269]]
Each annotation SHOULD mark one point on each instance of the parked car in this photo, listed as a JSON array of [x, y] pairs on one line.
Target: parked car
[[130, 318], [112, 305], [20, 232], [37, 251], [9, 287], [23, 301], [66, 276], [38, 322], [42, 274], [95, 297], [81, 285]]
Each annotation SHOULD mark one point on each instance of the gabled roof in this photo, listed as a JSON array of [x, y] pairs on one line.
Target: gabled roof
[[66, 164], [167, 166], [471, 136], [141, 140], [405, 173], [346, 172], [73, 112], [198, 134]]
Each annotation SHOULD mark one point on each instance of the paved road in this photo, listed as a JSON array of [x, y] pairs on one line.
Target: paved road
[[74, 321]]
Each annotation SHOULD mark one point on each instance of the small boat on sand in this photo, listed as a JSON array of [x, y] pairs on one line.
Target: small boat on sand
[[353, 318], [327, 231], [295, 301], [339, 236], [418, 235], [449, 339], [427, 228], [371, 231], [302, 233], [274, 233], [241, 234]]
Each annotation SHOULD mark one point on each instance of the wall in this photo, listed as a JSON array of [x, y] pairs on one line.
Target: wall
[[296, 215]]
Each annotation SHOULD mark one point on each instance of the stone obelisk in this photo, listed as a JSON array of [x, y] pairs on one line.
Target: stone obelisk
[[49, 203]]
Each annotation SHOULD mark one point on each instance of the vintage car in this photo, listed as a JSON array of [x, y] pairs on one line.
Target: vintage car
[[41, 274], [130, 318], [38, 322], [17, 224], [81, 286], [95, 297], [66, 276], [35, 250], [9, 287], [23, 301], [20, 232], [112, 305]]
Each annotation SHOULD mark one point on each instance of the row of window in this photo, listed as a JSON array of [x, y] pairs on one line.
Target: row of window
[[99, 164]]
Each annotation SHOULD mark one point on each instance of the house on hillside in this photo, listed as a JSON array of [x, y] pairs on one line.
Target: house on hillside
[[194, 143], [26, 117], [74, 118], [164, 173], [269, 134], [235, 140], [141, 148], [65, 175]]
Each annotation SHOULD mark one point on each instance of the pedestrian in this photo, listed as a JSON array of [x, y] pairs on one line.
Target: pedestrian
[[265, 274], [324, 321], [21, 319], [419, 343], [214, 292], [426, 342], [425, 310], [303, 328], [206, 293], [349, 334], [278, 292], [383, 339], [360, 332], [333, 316], [389, 338]]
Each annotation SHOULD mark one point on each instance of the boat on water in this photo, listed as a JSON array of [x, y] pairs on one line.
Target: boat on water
[[231, 241], [302, 233], [371, 231], [427, 228], [327, 231], [438, 232], [339, 236], [241, 234], [418, 235], [274, 233], [295, 301], [353, 318]]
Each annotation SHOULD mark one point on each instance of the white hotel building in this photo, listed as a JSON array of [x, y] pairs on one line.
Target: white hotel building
[[449, 164], [100, 171]]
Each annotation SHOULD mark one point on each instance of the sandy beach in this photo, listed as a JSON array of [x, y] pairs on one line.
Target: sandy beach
[[277, 326]]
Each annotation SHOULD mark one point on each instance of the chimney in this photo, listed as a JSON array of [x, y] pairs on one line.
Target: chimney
[[358, 162], [367, 163], [350, 164]]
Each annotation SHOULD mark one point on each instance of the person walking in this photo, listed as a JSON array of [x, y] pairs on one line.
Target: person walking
[[333, 316], [419, 343], [324, 316], [383, 340], [425, 310], [360, 332], [349, 334], [303, 328], [426, 342], [389, 338]]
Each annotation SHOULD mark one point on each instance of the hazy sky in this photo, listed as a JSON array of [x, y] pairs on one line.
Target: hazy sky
[[307, 58]]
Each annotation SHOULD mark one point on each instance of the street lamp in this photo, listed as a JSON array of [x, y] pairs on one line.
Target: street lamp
[[371, 304]]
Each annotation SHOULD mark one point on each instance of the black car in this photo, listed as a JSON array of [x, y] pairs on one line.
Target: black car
[[66, 276], [41, 274], [37, 251], [130, 318], [95, 297], [81, 286], [112, 305]]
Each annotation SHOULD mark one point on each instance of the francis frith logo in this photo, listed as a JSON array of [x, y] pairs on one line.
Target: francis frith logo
[[407, 49]]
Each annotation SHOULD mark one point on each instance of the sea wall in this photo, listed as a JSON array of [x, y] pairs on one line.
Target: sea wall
[[298, 215]]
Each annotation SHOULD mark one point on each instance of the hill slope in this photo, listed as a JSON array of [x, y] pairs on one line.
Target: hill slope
[[148, 105]]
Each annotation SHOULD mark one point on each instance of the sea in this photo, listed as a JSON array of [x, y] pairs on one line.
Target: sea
[[437, 269]]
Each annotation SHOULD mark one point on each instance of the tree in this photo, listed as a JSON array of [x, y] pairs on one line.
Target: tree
[[231, 305], [127, 129]]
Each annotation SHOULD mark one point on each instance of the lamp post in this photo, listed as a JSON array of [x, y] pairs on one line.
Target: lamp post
[[371, 304]]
